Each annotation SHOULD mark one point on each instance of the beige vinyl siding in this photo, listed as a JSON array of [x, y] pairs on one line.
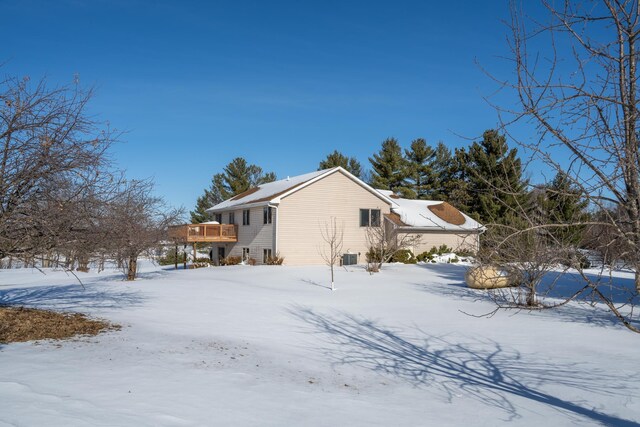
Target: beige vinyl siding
[[456, 241], [303, 213], [256, 236]]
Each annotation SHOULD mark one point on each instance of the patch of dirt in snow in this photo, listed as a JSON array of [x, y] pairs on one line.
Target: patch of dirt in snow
[[20, 324]]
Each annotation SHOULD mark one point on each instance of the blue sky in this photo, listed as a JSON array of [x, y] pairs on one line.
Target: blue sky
[[281, 83]]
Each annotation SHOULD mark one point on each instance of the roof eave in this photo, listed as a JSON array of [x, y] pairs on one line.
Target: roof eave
[[242, 206], [409, 228]]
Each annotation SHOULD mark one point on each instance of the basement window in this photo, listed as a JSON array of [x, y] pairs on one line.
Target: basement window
[[266, 254]]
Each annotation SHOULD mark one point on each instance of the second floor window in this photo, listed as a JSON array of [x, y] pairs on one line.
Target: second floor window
[[266, 213], [218, 217], [232, 218], [369, 217], [246, 217]]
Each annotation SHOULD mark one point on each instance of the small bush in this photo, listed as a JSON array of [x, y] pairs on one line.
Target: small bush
[[231, 260], [201, 262], [444, 249], [373, 255], [425, 256], [251, 261], [454, 260], [275, 260], [464, 253], [404, 256], [170, 258]]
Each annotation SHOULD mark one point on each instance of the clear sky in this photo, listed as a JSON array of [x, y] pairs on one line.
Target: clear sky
[[280, 83]]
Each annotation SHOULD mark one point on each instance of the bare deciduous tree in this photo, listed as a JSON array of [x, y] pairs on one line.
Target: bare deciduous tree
[[576, 82], [384, 241], [333, 235], [52, 158], [136, 221]]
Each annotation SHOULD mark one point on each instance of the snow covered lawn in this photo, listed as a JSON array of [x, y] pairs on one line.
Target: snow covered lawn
[[272, 346]]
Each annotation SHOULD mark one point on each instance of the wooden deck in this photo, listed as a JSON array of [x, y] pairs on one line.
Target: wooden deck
[[202, 233]]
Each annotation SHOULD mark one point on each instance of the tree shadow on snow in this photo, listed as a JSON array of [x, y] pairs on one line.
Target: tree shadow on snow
[[118, 276], [315, 283], [481, 369], [555, 287], [70, 297]]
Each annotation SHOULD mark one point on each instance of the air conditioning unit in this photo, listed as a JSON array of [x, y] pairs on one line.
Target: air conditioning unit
[[349, 259]]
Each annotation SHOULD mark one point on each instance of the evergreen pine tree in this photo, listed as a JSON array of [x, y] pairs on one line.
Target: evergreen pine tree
[[338, 159], [442, 167], [420, 168], [215, 194], [390, 169], [200, 214], [495, 178], [456, 182], [238, 177], [564, 203]]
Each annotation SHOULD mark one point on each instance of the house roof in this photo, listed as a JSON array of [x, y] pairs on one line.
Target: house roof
[[273, 192], [429, 215]]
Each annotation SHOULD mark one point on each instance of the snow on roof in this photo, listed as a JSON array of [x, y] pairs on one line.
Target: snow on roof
[[266, 192], [416, 214]]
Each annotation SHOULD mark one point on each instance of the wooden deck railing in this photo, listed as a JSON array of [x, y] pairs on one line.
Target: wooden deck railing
[[204, 233]]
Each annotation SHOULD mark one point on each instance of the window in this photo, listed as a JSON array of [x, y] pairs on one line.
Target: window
[[245, 254], [364, 217], [218, 217], [369, 217], [375, 217], [246, 216], [266, 214], [266, 254], [232, 218]]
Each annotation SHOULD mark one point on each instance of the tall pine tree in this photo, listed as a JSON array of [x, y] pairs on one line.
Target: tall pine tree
[[456, 183], [421, 179], [442, 167], [496, 185], [564, 203], [238, 177], [338, 159], [390, 169]]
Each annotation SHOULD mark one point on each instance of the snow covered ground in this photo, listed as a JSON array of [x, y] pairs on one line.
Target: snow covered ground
[[272, 346]]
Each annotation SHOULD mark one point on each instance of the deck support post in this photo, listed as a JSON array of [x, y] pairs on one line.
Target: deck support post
[[195, 251]]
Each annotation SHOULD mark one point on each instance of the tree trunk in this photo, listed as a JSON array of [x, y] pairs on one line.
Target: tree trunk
[[332, 288], [83, 263], [133, 267], [176, 257], [638, 279], [531, 295]]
